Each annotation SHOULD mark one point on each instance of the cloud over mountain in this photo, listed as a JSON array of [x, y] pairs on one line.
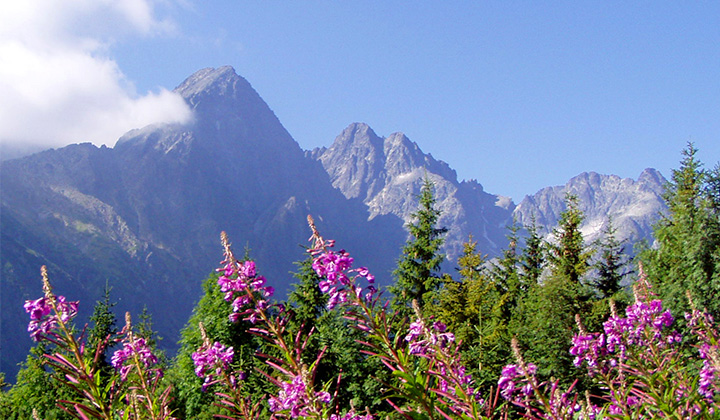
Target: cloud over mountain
[[58, 82]]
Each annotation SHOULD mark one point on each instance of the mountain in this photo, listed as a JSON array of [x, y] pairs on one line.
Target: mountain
[[633, 205], [144, 216], [387, 175]]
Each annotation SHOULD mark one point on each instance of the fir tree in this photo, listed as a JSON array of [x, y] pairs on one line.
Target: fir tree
[[532, 260], [35, 388], [212, 310], [567, 253], [417, 276], [611, 264], [687, 256], [104, 327], [545, 320]]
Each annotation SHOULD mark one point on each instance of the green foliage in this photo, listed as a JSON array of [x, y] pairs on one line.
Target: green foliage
[[611, 265], [473, 308], [687, 255], [417, 276], [544, 322], [35, 388], [567, 254], [532, 260], [104, 326], [212, 310], [335, 336]]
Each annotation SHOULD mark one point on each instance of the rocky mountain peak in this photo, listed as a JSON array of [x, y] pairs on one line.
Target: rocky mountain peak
[[632, 204], [222, 81], [229, 116]]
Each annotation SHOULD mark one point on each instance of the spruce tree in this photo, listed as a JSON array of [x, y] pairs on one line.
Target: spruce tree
[[567, 254], [417, 273], [545, 320], [36, 388], [611, 264], [212, 310], [687, 255], [104, 327], [333, 334], [532, 260]]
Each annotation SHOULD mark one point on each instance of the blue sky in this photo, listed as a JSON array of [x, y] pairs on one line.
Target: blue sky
[[518, 95]]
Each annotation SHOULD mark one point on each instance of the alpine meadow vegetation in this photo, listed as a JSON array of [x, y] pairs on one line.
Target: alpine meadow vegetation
[[551, 329]]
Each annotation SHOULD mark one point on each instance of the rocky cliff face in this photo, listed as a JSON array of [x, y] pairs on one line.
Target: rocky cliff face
[[633, 205], [145, 216], [387, 174]]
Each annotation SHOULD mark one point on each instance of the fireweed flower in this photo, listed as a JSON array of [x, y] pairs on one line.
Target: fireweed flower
[[335, 268], [42, 317], [350, 415], [133, 347], [243, 286], [211, 360], [701, 324], [645, 324], [513, 379], [433, 339], [293, 397]]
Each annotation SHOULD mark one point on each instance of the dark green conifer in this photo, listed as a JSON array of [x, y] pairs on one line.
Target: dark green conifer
[[567, 254], [417, 274], [687, 255], [611, 264], [532, 260]]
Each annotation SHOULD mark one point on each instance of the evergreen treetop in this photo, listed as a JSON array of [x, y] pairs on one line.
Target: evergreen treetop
[[417, 273]]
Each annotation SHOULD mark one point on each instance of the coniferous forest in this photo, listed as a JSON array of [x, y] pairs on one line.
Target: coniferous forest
[[553, 328]]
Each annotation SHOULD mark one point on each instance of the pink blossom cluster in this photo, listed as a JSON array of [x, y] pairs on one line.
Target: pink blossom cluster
[[350, 415], [241, 284], [644, 325], [334, 267], [513, 382], [430, 338], [519, 385], [434, 343], [293, 397], [701, 324], [210, 361], [42, 318], [131, 348]]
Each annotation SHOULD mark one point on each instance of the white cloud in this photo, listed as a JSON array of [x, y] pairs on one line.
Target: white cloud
[[57, 83]]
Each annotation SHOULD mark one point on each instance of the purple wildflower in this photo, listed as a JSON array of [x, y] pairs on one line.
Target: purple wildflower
[[211, 361], [131, 348], [513, 379], [350, 415], [42, 319], [293, 397]]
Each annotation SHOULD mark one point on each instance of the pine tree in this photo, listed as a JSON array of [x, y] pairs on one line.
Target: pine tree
[[611, 264], [306, 301], [104, 327], [532, 260], [333, 333], [545, 320], [687, 256], [417, 274], [567, 254], [212, 310], [506, 275], [35, 388]]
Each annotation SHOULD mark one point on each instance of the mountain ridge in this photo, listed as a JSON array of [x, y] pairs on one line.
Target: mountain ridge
[[145, 215]]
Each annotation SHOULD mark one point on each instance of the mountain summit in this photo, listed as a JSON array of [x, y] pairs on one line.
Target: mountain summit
[[144, 217]]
